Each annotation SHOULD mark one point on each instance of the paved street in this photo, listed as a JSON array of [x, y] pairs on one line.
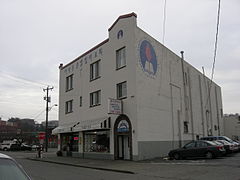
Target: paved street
[[227, 168]]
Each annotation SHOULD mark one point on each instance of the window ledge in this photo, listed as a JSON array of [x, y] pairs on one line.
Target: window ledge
[[120, 67], [94, 105], [121, 98], [95, 78], [68, 112], [69, 90]]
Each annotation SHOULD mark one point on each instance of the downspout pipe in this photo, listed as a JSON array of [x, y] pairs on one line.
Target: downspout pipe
[[184, 87]]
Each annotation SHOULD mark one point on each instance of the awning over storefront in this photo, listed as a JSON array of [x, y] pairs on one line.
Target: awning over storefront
[[93, 124], [61, 129]]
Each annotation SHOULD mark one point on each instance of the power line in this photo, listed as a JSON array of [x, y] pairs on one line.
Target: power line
[[164, 19], [22, 80], [39, 114], [215, 50], [216, 40]]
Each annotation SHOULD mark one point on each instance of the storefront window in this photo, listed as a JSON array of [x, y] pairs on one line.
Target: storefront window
[[97, 141], [70, 142]]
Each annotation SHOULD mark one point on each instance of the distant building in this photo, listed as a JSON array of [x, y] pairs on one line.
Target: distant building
[[232, 126], [3, 123], [8, 131], [28, 121], [51, 124], [131, 98]]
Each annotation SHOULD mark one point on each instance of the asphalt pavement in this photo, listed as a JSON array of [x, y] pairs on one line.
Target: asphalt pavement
[[214, 169]]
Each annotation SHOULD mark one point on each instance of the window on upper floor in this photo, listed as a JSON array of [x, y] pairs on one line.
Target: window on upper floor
[[186, 78], [69, 106], [221, 112], [95, 70], [80, 101], [122, 90], [95, 98], [185, 127], [69, 82], [121, 58]]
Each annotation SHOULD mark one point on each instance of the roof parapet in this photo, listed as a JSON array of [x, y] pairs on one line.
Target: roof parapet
[[122, 17]]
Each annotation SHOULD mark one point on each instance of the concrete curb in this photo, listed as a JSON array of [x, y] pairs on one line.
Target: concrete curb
[[82, 166]]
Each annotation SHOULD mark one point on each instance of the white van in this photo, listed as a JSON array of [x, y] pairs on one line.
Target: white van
[[6, 144]]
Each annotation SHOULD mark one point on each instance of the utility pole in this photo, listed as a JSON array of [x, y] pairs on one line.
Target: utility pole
[[47, 99]]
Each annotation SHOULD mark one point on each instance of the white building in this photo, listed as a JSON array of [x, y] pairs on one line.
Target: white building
[[165, 101], [232, 126]]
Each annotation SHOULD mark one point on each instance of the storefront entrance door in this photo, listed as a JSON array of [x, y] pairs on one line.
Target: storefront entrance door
[[123, 147], [123, 138]]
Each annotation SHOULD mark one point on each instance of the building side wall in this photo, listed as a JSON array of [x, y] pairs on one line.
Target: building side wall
[[232, 126], [169, 98], [159, 101]]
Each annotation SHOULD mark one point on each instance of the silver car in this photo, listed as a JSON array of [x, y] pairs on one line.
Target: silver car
[[11, 170]]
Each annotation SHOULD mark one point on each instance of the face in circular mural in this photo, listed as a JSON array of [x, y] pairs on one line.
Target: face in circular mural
[[148, 59]]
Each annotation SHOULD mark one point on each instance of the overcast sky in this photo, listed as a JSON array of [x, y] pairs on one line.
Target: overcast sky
[[37, 35]]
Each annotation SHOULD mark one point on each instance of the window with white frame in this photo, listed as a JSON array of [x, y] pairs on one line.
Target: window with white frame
[[122, 90], [69, 82], [69, 107], [95, 70], [95, 98], [120, 58]]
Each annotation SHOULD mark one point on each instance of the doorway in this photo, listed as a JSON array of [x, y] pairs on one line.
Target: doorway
[[123, 138], [123, 147]]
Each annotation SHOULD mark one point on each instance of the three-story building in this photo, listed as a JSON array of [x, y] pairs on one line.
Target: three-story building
[[130, 97]]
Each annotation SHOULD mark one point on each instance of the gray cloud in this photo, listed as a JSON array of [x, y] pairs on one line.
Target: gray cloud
[[36, 36]]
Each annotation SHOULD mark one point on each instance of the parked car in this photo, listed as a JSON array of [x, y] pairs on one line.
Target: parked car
[[25, 147], [15, 147], [199, 148], [6, 144], [238, 144], [35, 146], [214, 138], [20, 147], [229, 147], [11, 170]]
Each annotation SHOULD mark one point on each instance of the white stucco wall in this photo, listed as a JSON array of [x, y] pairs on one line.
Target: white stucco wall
[[155, 104], [160, 97]]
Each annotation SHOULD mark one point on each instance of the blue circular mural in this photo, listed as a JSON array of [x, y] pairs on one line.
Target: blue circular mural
[[148, 58]]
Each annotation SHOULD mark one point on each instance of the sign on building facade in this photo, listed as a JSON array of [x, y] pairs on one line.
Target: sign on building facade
[[114, 106]]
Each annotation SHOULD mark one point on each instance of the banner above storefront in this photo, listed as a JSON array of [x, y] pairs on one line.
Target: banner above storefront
[[114, 106]]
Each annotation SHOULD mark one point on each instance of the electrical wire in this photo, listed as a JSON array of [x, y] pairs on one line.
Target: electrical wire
[[215, 50], [39, 114], [22, 80], [216, 40], [164, 20]]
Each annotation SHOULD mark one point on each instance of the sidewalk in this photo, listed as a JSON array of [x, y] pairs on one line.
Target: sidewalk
[[130, 167]]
